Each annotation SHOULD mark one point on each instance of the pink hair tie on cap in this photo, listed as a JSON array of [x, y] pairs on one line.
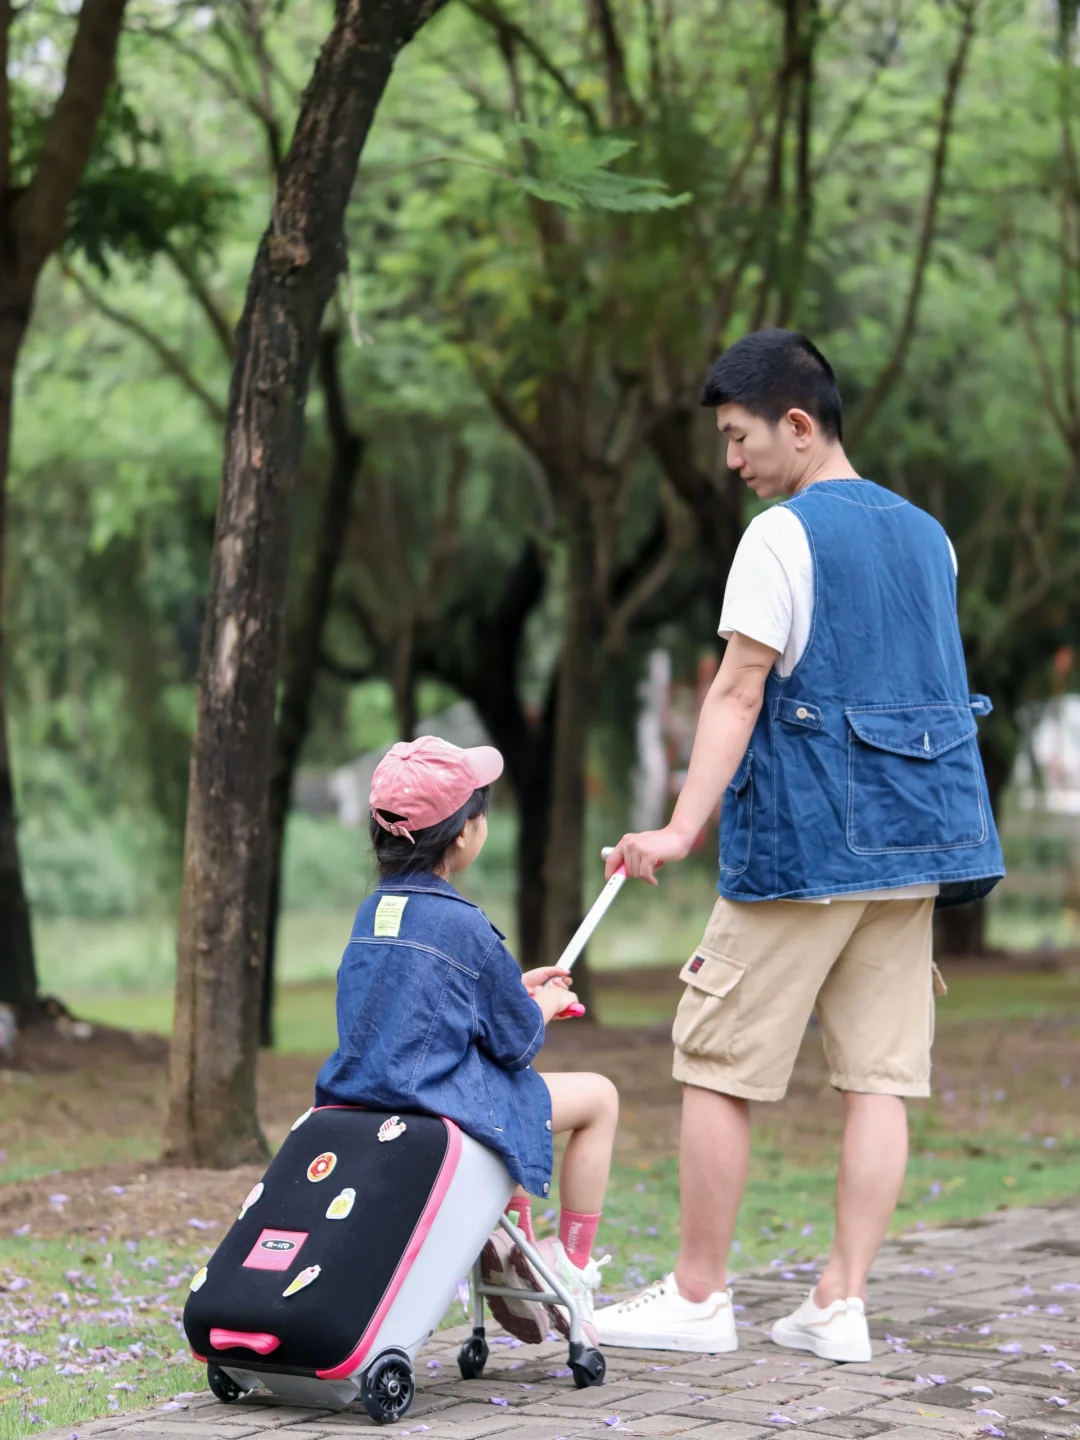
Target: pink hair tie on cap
[[423, 782]]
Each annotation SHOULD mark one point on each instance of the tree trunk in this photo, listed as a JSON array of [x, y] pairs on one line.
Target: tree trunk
[[221, 941], [32, 220], [18, 976], [566, 835], [300, 668]]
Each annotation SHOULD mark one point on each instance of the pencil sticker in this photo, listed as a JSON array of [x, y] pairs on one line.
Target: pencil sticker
[[198, 1280], [303, 1280], [301, 1118]]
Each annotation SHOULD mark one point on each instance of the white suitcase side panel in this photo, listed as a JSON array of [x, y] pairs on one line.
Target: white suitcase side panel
[[469, 1212]]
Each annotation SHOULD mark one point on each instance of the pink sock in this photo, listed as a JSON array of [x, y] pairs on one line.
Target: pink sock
[[577, 1233], [522, 1205]]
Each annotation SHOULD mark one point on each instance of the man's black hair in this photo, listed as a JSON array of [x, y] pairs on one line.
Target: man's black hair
[[770, 372], [395, 855]]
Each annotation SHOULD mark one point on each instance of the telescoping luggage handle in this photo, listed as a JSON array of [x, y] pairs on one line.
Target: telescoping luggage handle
[[583, 933]]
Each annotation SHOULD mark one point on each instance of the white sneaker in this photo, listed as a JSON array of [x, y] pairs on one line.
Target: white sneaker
[[839, 1332], [580, 1283], [659, 1318]]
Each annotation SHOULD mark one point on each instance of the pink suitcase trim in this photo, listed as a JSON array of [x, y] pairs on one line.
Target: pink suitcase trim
[[442, 1184], [243, 1339]]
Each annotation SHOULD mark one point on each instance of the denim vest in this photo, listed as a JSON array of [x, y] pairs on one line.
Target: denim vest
[[435, 1018], [863, 771]]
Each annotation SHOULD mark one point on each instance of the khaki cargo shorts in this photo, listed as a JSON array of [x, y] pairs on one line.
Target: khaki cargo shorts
[[763, 967]]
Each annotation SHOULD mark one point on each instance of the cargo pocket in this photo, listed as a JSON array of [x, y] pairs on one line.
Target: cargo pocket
[[914, 780], [705, 1022], [737, 819]]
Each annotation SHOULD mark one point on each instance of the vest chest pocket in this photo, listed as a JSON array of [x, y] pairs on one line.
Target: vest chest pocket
[[914, 780], [705, 1022], [737, 818]]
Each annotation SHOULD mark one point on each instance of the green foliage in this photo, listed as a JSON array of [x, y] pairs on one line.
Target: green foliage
[[575, 171]]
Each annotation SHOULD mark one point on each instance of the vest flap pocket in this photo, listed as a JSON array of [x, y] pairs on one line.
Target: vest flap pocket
[[798, 712], [711, 972], [919, 732]]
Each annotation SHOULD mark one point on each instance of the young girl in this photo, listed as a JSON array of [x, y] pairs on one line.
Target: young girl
[[434, 1015]]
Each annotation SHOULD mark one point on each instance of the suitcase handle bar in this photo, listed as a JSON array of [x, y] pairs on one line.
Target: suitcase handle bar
[[583, 933]]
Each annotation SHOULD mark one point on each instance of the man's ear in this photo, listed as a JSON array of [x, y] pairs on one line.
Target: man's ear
[[803, 425]]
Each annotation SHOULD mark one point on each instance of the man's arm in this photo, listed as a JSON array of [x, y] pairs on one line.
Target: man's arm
[[728, 715]]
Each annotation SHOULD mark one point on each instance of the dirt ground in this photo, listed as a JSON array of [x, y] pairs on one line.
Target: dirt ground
[[70, 1100]]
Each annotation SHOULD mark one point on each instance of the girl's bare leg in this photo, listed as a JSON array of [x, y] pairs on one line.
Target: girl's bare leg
[[588, 1106]]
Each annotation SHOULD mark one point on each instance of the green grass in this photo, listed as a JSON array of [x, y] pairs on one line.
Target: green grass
[[79, 1307], [306, 1022]]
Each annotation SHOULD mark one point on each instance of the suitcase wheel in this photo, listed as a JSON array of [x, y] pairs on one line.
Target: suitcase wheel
[[388, 1387], [223, 1386], [587, 1366], [472, 1357]]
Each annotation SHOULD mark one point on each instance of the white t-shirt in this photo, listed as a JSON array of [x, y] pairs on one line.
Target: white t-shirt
[[770, 598]]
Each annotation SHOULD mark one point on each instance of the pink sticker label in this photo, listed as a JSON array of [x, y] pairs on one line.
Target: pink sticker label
[[275, 1249]]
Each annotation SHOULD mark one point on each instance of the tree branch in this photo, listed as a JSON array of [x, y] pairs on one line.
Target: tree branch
[[223, 328], [623, 107], [895, 363], [491, 13], [171, 360], [41, 210], [5, 97]]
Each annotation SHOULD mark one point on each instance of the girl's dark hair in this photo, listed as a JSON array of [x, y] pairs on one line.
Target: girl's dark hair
[[395, 855]]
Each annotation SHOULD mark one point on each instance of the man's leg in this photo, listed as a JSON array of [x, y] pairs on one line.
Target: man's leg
[[873, 1159], [714, 1155]]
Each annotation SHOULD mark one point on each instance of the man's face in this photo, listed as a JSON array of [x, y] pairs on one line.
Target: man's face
[[766, 456]]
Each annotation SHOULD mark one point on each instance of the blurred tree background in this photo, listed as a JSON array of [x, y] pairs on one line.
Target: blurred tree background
[[509, 495]]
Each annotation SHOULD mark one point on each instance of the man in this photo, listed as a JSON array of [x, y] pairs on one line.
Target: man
[[840, 734]]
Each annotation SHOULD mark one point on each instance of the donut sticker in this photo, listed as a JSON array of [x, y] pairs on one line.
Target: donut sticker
[[301, 1118], [198, 1280], [303, 1280], [321, 1166], [341, 1205], [392, 1128], [253, 1195]]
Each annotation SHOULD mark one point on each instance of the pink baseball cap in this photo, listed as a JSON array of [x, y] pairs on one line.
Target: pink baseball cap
[[428, 780]]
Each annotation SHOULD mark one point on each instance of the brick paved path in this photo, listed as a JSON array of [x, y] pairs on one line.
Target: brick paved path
[[975, 1330]]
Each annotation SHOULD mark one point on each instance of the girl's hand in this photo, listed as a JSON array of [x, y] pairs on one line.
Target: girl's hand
[[533, 979], [553, 1000]]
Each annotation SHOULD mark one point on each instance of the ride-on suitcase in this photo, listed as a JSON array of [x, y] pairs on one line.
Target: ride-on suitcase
[[345, 1257]]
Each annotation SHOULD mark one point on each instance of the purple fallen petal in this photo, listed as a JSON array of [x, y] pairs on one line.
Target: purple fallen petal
[[1013, 1347], [1058, 1400], [498, 1400]]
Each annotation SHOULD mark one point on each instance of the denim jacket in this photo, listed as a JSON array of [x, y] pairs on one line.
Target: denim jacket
[[863, 771], [432, 1016]]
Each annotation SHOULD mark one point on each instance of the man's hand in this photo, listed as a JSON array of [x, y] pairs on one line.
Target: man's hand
[[645, 852], [533, 979]]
